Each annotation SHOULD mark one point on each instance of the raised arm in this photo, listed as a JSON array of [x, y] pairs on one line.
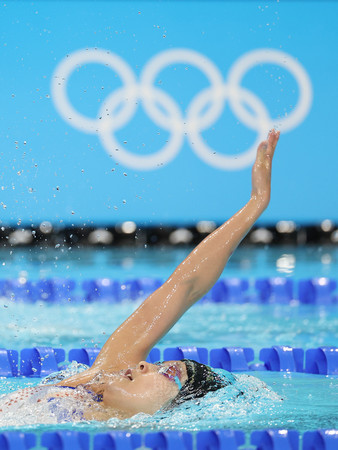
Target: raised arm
[[132, 341]]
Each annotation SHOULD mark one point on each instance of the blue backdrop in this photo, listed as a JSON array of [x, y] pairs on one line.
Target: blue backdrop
[[151, 111]]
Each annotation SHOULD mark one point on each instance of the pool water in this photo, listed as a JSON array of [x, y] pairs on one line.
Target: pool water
[[159, 262], [207, 325], [309, 401], [291, 401]]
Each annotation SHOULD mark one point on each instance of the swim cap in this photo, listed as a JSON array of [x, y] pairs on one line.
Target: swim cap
[[201, 380]]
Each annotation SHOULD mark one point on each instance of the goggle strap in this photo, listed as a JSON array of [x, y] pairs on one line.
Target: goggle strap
[[178, 382]]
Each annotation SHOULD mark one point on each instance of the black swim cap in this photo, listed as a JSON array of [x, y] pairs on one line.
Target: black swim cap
[[201, 380]]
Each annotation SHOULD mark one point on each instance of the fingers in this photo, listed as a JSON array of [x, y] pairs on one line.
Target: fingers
[[272, 141], [261, 152], [266, 149]]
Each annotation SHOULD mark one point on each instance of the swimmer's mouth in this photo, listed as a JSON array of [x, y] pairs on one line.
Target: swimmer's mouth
[[128, 374]]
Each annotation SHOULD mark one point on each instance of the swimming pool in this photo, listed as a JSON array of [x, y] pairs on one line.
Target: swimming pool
[[309, 401]]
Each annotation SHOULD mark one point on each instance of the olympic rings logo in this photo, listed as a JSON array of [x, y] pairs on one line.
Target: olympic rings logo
[[203, 111]]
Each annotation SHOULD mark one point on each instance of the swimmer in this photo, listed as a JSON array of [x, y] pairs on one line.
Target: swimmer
[[121, 383]]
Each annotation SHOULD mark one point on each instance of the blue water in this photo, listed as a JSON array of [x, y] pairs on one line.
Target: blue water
[[208, 325], [309, 401], [270, 400], [129, 262]]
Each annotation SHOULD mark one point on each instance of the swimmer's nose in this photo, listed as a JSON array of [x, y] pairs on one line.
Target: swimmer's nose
[[143, 366]]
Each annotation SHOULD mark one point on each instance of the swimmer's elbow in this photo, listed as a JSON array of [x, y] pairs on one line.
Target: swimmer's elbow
[[190, 290], [197, 287]]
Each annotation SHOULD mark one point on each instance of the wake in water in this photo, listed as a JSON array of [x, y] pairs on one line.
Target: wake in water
[[49, 404], [42, 404]]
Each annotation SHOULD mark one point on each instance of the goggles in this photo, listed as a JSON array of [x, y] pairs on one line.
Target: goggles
[[170, 372]]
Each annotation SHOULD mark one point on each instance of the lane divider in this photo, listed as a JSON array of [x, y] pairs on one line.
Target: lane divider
[[321, 291], [42, 361], [172, 440]]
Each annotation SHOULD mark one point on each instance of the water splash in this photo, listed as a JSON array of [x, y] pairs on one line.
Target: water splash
[[49, 404], [46, 403]]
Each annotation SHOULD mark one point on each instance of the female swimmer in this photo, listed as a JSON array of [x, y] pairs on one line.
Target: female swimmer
[[121, 383]]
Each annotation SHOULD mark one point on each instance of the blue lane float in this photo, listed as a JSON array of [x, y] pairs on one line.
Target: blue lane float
[[154, 355], [275, 439], [106, 289], [282, 359], [65, 440], [322, 360], [169, 440], [219, 439], [19, 290], [228, 290], [45, 290], [275, 290], [199, 354], [172, 440], [83, 355], [320, 440], [316, 291], [231, 358], [8, 363], [42, 361], [15, 440], [100, 289], [117, 440]]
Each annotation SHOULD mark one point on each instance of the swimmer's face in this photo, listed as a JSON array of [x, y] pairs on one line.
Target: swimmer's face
[[144, 388]]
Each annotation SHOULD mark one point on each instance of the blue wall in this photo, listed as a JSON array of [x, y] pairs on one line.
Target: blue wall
[[204, 81]]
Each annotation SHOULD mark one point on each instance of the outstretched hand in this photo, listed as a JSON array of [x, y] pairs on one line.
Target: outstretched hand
[[261, 171]]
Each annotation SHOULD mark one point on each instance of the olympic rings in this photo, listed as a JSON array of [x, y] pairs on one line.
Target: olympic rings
[[202, 112]]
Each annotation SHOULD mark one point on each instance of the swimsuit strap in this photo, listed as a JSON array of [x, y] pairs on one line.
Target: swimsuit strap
[[96, 397]]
